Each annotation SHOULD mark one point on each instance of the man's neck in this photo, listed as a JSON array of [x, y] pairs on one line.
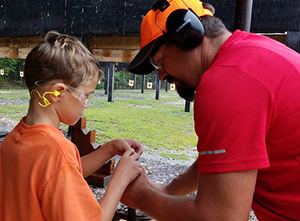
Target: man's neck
[[210, 47]]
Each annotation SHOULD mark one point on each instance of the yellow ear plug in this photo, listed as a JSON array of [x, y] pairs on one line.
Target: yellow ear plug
[[46, 101], [56, 93]]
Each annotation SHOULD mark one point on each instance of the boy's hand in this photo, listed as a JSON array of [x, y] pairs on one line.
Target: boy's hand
[[119, 146], [128, 168]]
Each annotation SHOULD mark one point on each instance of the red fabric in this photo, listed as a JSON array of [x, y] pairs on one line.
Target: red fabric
[[247, 109], [42, 177]]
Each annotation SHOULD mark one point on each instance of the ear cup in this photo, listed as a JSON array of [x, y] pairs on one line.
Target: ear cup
[[184, 29], [56, 93]]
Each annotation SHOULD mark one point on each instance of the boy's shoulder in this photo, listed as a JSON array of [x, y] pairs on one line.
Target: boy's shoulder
[[43, 139], [58, 144]]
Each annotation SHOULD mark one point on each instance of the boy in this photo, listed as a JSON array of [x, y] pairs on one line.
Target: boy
[[41, 172]]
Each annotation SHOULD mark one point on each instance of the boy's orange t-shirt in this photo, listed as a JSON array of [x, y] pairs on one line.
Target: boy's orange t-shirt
[[41, 177]]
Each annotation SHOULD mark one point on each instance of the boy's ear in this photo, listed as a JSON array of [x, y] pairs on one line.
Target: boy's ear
[[57, 90]]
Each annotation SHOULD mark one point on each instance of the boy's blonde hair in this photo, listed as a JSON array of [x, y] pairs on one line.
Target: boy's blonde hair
[[60, 56]]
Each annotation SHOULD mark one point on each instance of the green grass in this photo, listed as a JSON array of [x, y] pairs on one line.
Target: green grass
[[179, 156], [161, 125], [17, 108]]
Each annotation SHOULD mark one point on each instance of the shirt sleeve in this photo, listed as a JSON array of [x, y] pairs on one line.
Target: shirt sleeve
[[67, 196], [232, 114]]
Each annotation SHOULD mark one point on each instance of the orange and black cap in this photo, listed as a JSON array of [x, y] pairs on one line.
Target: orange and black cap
[[140, 64], [153, 30]]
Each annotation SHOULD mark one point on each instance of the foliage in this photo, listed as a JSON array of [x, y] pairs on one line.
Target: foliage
[[12, 68]]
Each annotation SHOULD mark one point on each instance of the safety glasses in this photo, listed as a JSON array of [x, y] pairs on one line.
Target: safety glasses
[[79, 94]]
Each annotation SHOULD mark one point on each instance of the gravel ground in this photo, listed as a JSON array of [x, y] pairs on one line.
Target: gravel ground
[[160, 169]]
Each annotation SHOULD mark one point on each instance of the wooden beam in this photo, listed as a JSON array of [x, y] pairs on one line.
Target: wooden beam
[[23, 52], [22, 42], [114, 42], [8, 52], [17, 47], [14, 52], [114, 55], [104, 48], [114, 48]]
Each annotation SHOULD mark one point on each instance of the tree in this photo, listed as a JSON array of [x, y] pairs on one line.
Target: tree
[[12, 68]]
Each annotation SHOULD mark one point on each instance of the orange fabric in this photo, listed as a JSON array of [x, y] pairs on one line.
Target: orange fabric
[[155, 21], [42, 177]]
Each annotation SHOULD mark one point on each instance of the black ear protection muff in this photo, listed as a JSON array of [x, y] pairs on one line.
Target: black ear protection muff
[[184, 27]]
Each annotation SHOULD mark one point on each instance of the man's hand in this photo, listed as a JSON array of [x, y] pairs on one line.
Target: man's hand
[[133, 194]]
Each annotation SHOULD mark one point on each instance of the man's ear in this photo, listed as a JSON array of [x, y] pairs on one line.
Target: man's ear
[[57, 91]]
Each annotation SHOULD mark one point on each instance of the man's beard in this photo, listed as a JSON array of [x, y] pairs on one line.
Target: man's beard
[[185, 90]]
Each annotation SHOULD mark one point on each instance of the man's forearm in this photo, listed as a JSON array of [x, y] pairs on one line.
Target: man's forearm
[[185, 183], [220, 196], [168, 207]]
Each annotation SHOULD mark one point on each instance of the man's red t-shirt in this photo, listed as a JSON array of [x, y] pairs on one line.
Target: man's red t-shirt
[[247, 116]]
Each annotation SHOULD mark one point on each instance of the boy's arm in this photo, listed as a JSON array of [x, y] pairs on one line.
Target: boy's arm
[[111, 198], [126, 171], [93, 161]]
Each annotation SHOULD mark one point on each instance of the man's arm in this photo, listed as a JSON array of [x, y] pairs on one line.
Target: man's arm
[[220, 196], [183, 184]]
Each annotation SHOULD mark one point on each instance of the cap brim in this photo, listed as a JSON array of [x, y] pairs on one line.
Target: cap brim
[[140, 64]]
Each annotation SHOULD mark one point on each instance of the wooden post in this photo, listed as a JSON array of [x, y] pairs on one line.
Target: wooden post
[[143, 84], [243, 12], [187, 106], [111, 82], [85, 142], [134, 82], [106, 77], [157, 85], [131, 214], [167, 86], [69, 134]]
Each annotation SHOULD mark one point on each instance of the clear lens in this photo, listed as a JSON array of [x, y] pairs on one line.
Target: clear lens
[[79, 94], [156, 65]]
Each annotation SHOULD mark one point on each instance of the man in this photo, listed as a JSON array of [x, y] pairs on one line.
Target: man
[[246, 112]]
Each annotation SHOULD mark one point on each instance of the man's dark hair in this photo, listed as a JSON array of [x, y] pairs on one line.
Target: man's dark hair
[[213, 26]]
